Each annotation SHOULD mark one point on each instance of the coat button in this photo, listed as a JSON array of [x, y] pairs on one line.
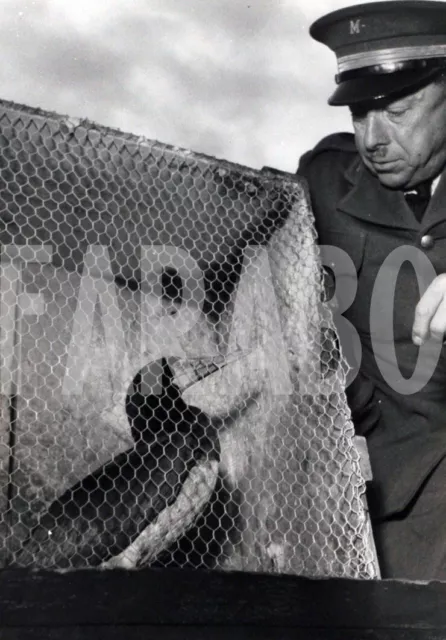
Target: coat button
[[427, 242]]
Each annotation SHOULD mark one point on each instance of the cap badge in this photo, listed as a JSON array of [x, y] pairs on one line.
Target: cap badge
[[355, 26]]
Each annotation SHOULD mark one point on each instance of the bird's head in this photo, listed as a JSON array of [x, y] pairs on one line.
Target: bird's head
[[155, 416]]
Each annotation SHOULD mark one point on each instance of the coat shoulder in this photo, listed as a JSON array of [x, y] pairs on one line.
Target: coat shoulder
[[340, 145], [326, 169]]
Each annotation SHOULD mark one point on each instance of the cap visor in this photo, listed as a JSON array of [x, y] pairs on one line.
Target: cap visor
[[381, 86]]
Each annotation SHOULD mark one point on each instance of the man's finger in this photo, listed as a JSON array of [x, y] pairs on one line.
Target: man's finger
[[426, 309], [437, 327]]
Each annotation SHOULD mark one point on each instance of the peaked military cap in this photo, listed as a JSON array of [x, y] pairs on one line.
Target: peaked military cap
[[384, 49]]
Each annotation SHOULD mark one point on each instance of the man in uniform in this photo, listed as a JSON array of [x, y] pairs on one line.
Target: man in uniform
[[380, 196]]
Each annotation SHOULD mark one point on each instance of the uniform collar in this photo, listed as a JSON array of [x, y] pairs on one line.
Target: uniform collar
[[369, 200], [433, 186], [435, 212]]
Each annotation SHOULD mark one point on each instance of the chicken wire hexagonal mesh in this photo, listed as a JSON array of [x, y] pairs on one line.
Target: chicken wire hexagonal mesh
[[172, 388]]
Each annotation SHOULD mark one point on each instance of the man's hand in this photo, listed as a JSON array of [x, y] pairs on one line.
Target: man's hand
[[430, 313]]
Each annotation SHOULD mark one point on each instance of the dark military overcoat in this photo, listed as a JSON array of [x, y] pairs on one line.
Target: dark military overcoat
[[395, 258]]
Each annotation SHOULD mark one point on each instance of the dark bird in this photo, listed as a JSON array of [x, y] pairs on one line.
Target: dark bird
[[150, 414], [202, 524], [135, 504]]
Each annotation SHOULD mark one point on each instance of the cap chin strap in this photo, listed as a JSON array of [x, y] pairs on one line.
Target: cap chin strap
[[380, 69], [390, 56]]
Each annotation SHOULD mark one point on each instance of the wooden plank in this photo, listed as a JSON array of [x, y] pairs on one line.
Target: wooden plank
[[192, 632], [203, 598]]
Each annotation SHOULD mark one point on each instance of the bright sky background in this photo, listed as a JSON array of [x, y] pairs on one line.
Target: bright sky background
[[236, 79]]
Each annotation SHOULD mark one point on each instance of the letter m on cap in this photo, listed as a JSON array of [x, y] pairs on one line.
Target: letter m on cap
[[355, 26]]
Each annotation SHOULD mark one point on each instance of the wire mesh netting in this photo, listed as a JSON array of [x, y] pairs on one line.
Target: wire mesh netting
[[171, 386]]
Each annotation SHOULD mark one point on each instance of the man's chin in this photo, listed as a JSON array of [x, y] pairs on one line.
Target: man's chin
[[389, 176]]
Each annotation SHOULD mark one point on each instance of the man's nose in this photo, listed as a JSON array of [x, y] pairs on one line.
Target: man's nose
[[375, 133]]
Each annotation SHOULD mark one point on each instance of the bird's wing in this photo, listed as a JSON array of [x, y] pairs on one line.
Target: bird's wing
[[172, 522], [101, 515]]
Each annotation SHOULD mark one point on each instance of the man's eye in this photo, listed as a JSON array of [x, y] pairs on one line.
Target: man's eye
[[396, 112]]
